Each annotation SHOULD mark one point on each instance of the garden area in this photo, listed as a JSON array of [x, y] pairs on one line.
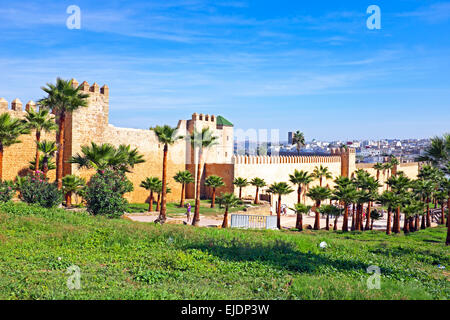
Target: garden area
[[120, 259]]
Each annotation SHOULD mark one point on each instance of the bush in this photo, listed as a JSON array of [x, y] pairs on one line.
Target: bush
[[105, 191], [6, 191], [37, 190]]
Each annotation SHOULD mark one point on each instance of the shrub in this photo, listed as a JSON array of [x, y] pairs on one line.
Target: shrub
[[105, 191], [6, 191], [37, 190]]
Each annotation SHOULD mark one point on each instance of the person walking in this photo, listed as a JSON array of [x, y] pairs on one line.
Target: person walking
[[188, 212]]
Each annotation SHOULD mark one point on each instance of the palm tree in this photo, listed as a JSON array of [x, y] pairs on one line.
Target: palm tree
[[228, 200], [72, 184], [300, 209], [151, 184], [411, 210], [166, 136], [345, 194], [378, 166], [63, 99], [371, 187], [318, 194], [299, 140], [240, 183], [258, 183], [183, 177], [48, 149], [391, 201], [159, 200], [10, 130], [399, 185], [202, 141], [438, 153], [39, 121], [330, 211], [104, 156], [441, 197], [375, 215], [214, 182], [322, 172], [49, 165], [280, 188], [300, 178], [394, 163]]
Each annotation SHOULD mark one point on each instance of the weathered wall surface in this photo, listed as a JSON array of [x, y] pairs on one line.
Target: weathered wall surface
[[91, 125], [278, 169], [16, 159]]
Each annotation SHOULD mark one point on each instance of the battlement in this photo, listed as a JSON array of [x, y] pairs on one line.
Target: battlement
[[285, 159], [16, 106], [342, 150], [204, 117], [85, 87]]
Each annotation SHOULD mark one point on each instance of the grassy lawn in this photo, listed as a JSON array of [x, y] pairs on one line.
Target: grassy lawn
[[173, 208], [120, 259]]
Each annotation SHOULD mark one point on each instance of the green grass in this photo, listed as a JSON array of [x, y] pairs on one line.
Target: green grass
[[120, 259], [173, 209]]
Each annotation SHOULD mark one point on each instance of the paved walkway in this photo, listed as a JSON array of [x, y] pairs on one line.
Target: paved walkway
[[286, 221]]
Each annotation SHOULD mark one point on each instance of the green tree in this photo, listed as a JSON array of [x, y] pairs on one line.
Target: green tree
[[106, 156], [39, 121], [328, 211], [228, 200], [318, 194], [184, 178], [390, 200], [258, 183], [300, 178], [200, 141], [300, 209], [72, 184], [214, 182], [280, 189], [48, 150], [378, 166], [10, 130], [438, 153], [299, 140], [399, 184], [240, 183], [346, 195], [151, 184], [375, 215], [321, 172], [63, 99]]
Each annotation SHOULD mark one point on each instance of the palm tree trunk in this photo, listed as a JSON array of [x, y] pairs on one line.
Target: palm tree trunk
[[411, 224], [68, 199], [60, 156], [1, 161], [257, 195], [335, 223], [299, 222], [182, 195], [150, 205], [388, 223], [240, 193], [428, 213], [328, 223], [447, 241], [225, 219], [317, 218], [320, 180], [397, 221], [196, 218], [38, 139], [299, 194], [406, 225], [442, 213], [162, 214], [416, 223], [423, 225], [213, 200], [345, 223], [158, 202], [353, 217], [357, 222], [371, 224], [279, 212], [367, 227]]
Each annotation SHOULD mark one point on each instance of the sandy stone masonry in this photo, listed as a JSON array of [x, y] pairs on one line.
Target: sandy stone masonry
[[91, 124]]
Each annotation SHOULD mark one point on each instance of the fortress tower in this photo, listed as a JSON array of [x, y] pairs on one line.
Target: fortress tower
[[348, 160]]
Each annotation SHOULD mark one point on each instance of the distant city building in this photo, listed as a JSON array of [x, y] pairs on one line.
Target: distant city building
[[290, 137]]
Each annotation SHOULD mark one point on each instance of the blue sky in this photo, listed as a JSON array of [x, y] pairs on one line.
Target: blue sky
[[307, 65]]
